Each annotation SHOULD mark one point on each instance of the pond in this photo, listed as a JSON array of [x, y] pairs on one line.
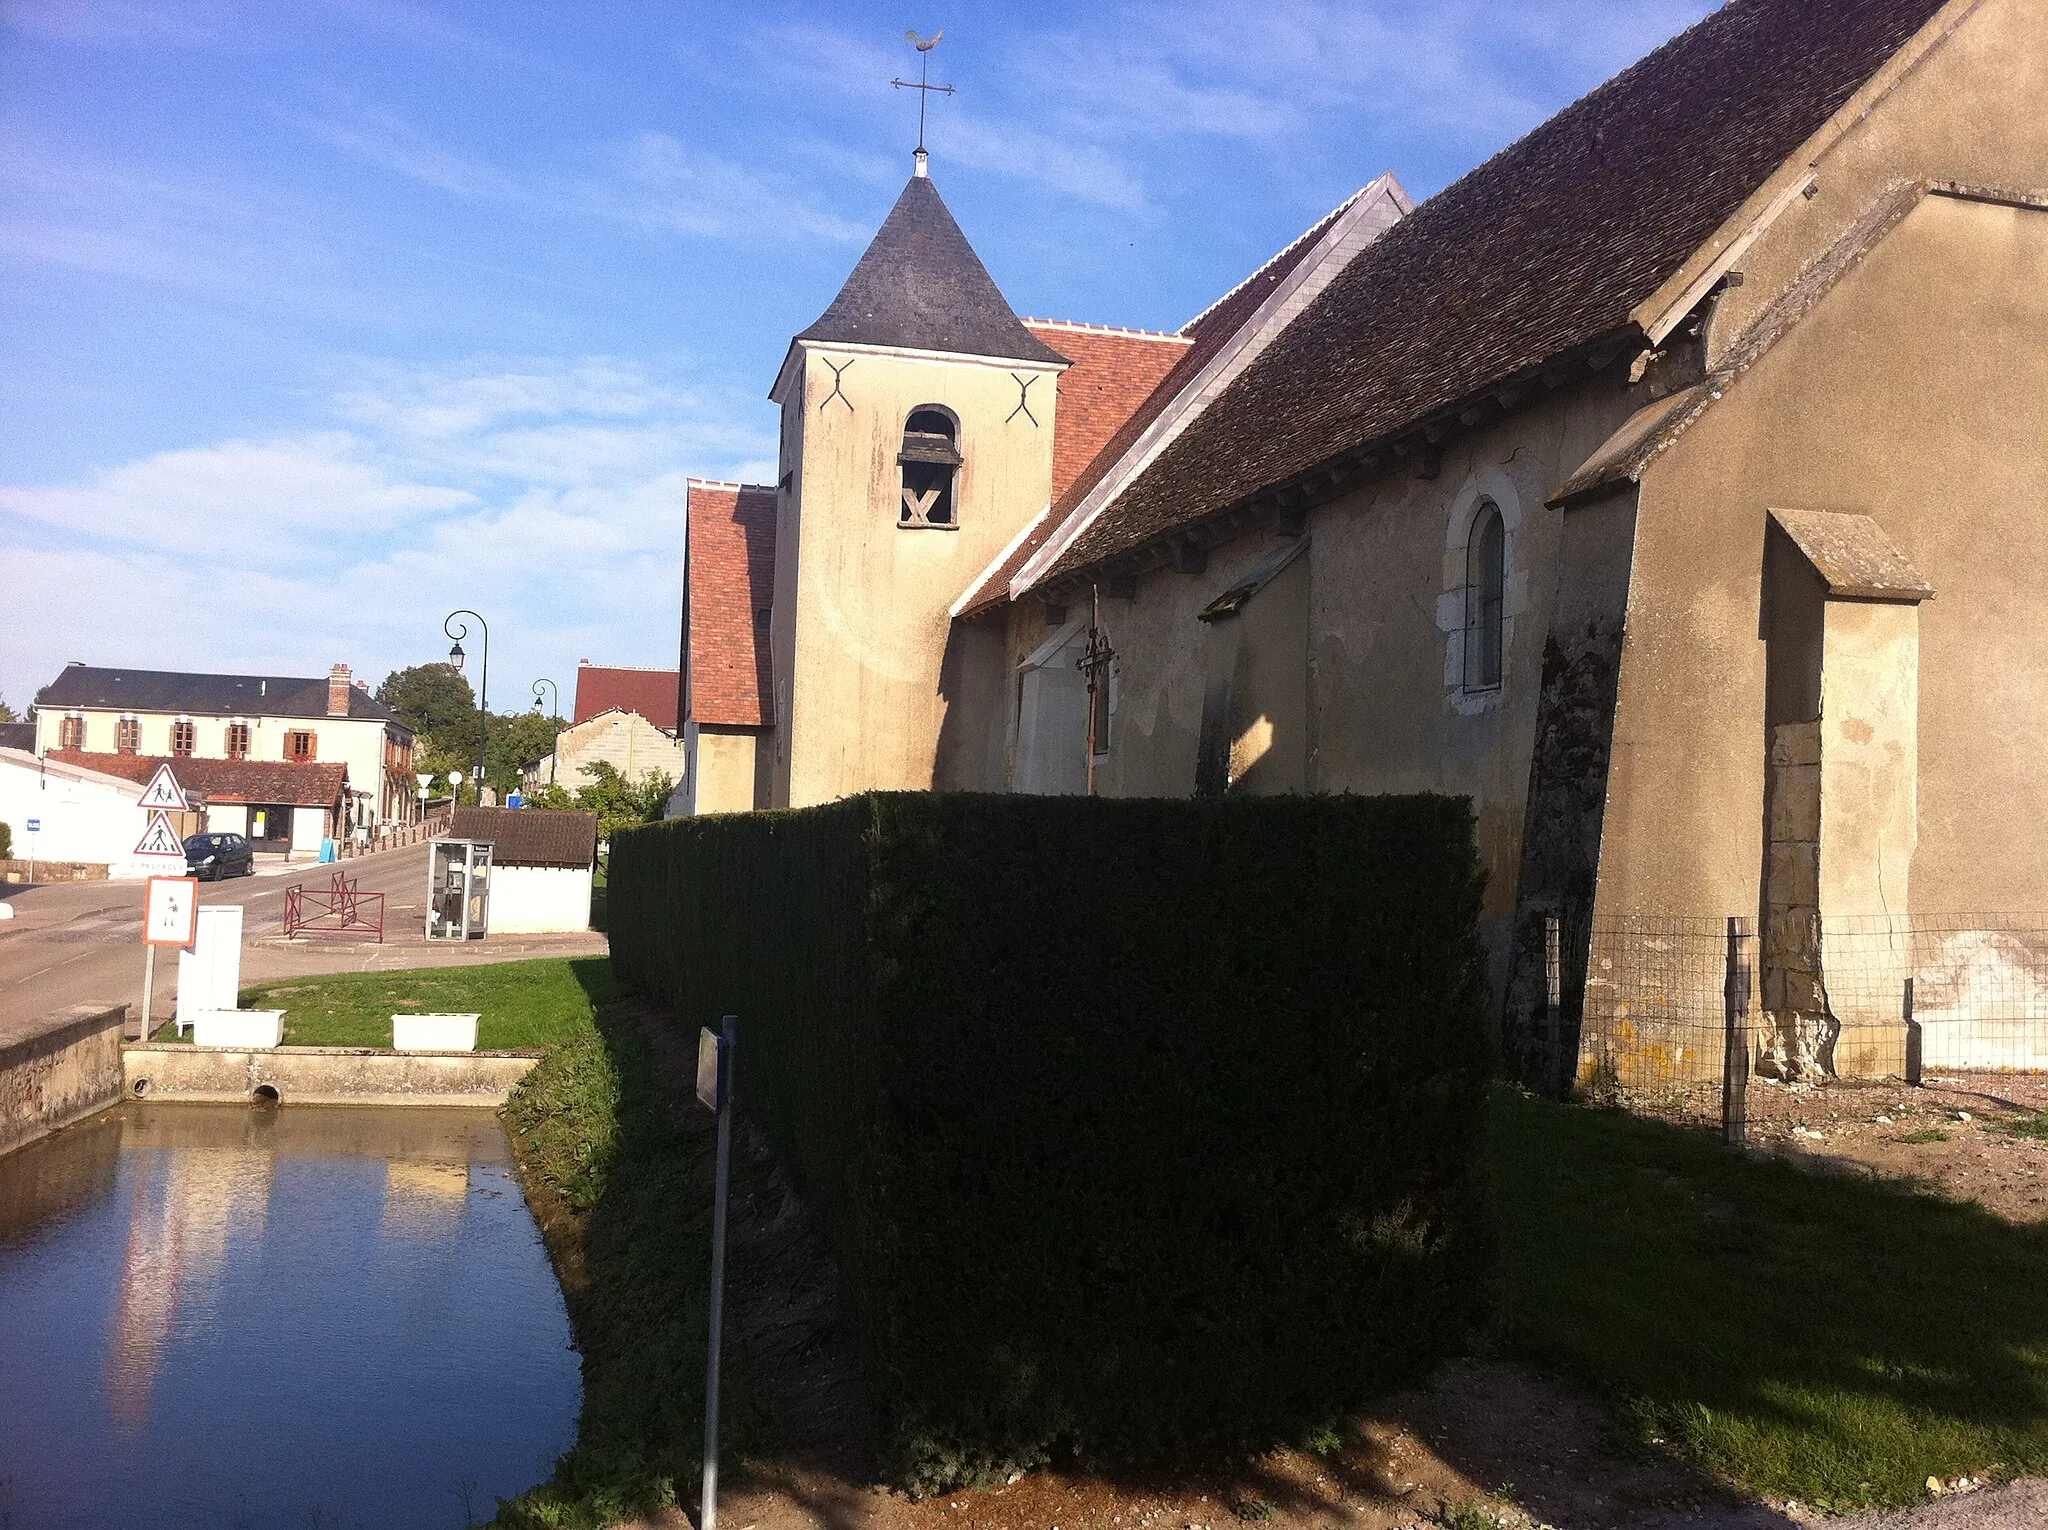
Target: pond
[[261, 1316]]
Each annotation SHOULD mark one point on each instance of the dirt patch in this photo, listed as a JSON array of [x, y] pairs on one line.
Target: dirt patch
[[1969, 1136], [1490, 1443]]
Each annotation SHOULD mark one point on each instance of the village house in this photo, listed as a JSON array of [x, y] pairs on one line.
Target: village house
[[277, 755], [623, 716], [1664, 487]]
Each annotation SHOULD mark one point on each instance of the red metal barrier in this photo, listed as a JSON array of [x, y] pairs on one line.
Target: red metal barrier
[[334, 910]]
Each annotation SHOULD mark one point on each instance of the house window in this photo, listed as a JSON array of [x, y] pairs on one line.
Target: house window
[[127, 735], [184, 734], [930, 459], [1485, 599], [298, 745], [71, 733], [238, 741]]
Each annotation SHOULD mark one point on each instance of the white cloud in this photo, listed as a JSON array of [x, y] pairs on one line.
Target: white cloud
[[653, 180], [269, 496], [547, 495]]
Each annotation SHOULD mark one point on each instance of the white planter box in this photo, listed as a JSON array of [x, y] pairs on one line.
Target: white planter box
[[244, 1029], [434, 1033]]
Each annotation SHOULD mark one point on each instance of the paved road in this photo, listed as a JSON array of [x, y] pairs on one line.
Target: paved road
[[81, 942]]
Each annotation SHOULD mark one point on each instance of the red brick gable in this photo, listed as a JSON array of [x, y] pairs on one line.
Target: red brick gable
[[1114, 371], [653, 693], [728, 588]]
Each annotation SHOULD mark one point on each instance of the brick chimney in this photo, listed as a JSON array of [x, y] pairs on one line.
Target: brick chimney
[[337, 691]]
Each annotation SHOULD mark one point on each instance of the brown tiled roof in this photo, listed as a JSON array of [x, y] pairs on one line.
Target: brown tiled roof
[[729, 586], [1114, 371], [265, 781], [1207, 333], [653, 693], [162, 690], [1545, 248], [529, 836]]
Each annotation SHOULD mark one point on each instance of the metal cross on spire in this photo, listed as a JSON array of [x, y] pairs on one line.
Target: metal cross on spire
[[923, 83]]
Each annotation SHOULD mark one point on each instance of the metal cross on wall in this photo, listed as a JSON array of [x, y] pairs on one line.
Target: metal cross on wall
[[923, 83], [1096, 663]]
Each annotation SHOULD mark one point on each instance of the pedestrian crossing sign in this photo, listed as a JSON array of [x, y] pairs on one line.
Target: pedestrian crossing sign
[[160, 838]]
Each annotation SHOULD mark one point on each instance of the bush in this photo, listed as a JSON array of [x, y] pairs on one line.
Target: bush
[[6, 843], [1136, 1126]]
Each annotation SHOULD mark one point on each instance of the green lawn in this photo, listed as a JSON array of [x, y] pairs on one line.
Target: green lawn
[[1833, 1340], [523, 1004]]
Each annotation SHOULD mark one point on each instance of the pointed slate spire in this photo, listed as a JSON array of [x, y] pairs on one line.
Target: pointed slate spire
[[920, 285]]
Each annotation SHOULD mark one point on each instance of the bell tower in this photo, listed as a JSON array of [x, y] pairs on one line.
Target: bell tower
[[916, 445]]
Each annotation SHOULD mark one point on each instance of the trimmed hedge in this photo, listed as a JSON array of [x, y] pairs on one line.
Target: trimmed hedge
[[1135, 1125]]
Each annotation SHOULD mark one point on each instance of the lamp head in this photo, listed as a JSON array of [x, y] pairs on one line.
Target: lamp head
[[455, 658]]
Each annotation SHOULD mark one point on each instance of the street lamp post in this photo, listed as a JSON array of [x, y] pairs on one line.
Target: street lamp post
[[554, 711], [459, 630]]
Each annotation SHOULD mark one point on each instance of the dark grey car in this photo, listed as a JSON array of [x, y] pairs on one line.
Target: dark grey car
[[210, 857]]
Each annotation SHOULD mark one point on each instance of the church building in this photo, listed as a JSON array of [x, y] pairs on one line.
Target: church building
[[1669, 486]]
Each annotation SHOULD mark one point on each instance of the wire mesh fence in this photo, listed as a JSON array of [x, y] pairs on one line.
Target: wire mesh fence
[[1676, 1014]]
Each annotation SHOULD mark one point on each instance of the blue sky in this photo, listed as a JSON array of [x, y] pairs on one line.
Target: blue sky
[[321, 317]]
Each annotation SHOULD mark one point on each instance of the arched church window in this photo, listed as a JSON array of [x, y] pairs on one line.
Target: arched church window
[[930, 460], [1485, 598]]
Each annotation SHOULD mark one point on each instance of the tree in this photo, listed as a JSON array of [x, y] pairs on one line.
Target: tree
[[435, 702], [518, 741], [619, 803], [7, 712]]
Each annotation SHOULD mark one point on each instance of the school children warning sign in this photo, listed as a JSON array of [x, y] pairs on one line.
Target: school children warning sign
[[163, 794]]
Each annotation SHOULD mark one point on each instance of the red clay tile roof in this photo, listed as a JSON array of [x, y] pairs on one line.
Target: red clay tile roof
[[262, 781], [530, 836], [728, 588], [1207, 334], [1546, 247], [1114, 371], [653, 693]]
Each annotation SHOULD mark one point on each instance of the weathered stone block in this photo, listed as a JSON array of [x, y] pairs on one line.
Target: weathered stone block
[[1793, 939], [1796, 743], [1795, 803], [1794, 875]]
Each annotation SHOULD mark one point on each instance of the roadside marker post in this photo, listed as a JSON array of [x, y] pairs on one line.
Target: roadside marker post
[[714, 1088], [34, 827], [170, 917]]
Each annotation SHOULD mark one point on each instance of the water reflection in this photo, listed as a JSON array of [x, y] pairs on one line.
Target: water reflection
[[223, 1315]]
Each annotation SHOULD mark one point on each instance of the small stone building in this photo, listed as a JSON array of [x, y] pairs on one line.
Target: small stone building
[[542, 866]]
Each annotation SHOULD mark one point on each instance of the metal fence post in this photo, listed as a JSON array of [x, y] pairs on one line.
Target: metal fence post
[[1915, 1042], [1735, 1045], [1553, 1001], [722, 1185]]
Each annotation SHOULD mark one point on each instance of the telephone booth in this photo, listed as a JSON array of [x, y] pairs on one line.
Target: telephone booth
[[458, 889]]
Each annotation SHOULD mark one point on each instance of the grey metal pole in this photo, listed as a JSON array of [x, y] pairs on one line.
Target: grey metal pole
[[1735, 1042], [721, 1191], [1915, 1042], [148, 987]]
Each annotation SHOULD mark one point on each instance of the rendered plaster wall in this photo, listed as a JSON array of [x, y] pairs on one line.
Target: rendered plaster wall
[[1268, 712], [868, 628], [356, 742], [539, 900], [1377, 647], [729, 769], [1916, 392]]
